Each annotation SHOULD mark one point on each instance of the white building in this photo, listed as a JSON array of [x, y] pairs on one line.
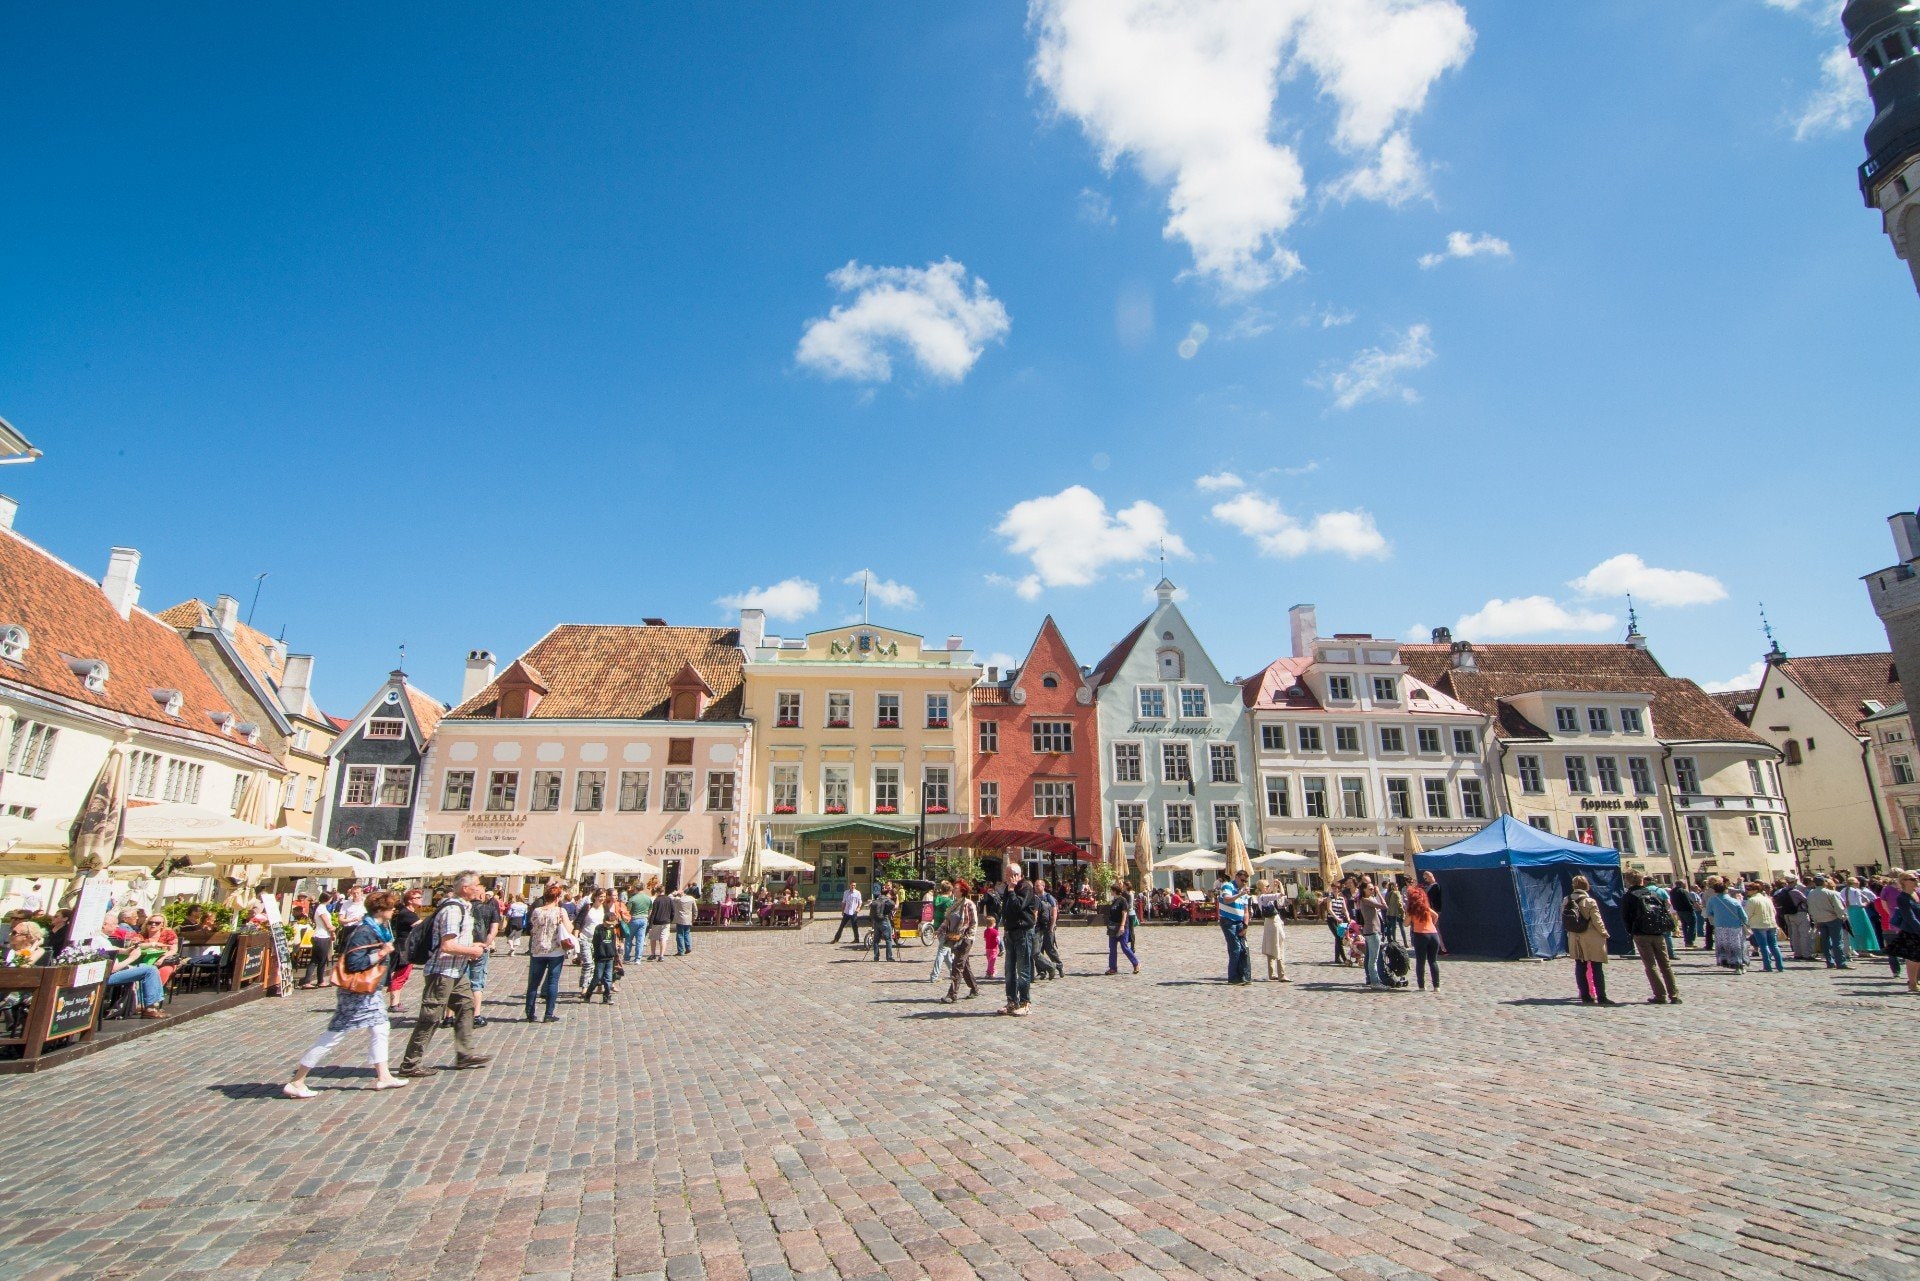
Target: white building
[[1344, 736]]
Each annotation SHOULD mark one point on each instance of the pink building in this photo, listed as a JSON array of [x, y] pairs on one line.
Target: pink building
[[636, 732]]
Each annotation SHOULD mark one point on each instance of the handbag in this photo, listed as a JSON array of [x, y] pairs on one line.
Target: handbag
[[364, 981]]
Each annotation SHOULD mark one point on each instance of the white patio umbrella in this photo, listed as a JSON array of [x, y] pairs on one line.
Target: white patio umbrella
[[157, 832], [31, 847], [576, 850], [1368, 863], [1281, 859], [510, 865], [770, 861], [1194, 861], [617, 863]]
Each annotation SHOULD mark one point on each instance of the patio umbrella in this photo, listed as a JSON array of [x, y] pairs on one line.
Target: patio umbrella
[[617, 863], [509, 865], [750, 872], [1237, 860], [98, 831], [1282, 859], [1194, 861], [1412, 847], [31, 847], [770, 861], [1329, 859], [576, 850], [256, 805], [1369, 863], [1143, 860]]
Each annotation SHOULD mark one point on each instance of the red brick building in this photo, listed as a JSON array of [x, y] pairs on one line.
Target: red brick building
[[1036, 761]]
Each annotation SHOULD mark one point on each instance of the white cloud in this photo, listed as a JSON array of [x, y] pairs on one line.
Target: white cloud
[[1026, 587], [1330, 318], [884, 590], [1749, 679], [1188, 90], [1841, 101], [1529, 616], [999, 658], [1461, 244], [786, 600], [1628, 575], [1377, 372], [1395, 176], [1150, 594], [1095, 208], [1216, 482], [1196, 338], [1276, 533], [930, 314], [1072, 540]]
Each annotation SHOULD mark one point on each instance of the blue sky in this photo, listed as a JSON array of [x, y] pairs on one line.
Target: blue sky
[[460, 323]]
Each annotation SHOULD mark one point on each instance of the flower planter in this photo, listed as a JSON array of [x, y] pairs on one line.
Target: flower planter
[[936, 809], [886, 809], [783, 809], [838, 725], [835, 809]]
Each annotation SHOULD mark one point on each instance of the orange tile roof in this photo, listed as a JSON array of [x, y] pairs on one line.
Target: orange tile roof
[[605, 671], [427, 710], [1681, 710], [265, 656], [66, 614], [1842, 683]]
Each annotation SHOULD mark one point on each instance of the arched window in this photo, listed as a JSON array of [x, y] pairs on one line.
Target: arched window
[[1050, 681], [1173, 665], [1793, 751], [13, 644]]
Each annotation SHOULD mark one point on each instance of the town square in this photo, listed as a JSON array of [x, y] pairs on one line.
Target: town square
[[1063, 638]]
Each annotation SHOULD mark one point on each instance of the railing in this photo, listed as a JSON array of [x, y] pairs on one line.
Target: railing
[[1878, 163]]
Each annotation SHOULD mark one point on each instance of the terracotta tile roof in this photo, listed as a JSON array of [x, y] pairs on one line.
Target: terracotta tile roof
[[1680, 709], [427, 710], [1280, 686], [66, 615], [1842, 683], [1738, 702], [1107, 668], [259, 651], [623, 672]]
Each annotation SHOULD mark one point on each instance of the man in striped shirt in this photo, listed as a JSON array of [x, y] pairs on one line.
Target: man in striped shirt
[[1233, 923]]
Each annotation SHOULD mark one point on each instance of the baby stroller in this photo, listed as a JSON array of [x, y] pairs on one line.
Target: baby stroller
[[1395, 963]]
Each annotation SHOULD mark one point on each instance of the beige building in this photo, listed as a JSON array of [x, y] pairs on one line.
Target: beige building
[[861, 740], [259, 676], [1597, 743], [1815, 710], [1897, 767]]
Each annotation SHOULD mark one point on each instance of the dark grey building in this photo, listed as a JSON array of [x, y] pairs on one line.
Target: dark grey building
[[1895, 593], [373, 771], [1884, 38]]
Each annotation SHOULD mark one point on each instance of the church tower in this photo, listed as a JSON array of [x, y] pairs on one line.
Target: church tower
[[1884, 38]]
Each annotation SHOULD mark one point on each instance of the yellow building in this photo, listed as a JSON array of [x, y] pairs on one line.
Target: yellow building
[[861, 738]]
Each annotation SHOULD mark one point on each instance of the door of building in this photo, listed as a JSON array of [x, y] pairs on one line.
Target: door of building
[[832, 871]]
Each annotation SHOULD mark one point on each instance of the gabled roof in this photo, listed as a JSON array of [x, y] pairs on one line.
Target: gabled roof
[[422, 712], [66, 615], [262, 654], [1107, 668], [1842, 683], [1279, 685], [1738, 702], [615, 672], [426, 710], [1681, 710], [1032, 670]]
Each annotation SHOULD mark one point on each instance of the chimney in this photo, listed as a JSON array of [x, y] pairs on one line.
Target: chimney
[[1463, 659], [1304, 622], [123, 593], [1906, 536], [956, 642], [226, 612], [8, 506], [1443, 635], [993, 676], [296, 684], [753, 629], [479, 673]]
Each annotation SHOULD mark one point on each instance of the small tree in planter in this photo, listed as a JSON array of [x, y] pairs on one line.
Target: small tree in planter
[[1102, 876], [957, 865]]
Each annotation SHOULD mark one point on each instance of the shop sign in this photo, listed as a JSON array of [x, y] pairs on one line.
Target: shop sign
[[1595, 803], [73, 1010], [1805, 843], [484, 822], [1208, 730]]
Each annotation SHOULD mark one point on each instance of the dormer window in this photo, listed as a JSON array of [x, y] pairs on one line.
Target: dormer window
[[169, 700], [222, 719], [13, 643], [1340, 689], [249, 731], [1173, 665], [386, 727], [92, 673]]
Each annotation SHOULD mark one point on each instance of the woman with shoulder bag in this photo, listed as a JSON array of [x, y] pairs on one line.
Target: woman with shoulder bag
[[1119, 932], [360, 979]]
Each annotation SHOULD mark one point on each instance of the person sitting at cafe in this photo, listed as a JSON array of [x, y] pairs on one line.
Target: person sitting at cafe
[[149, 990], [160, 947], [60, 934], [26, 945], [128, 930]]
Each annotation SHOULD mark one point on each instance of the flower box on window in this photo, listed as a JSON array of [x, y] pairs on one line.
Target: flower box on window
[[936, 722], [886, 809], [893, 724], [936, 809], [837, 724], [787, 724], [783, 809], [836, 809]]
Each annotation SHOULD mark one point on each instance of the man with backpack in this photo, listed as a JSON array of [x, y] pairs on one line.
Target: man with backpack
[[883, 907], [444, 946], [1650, 922]]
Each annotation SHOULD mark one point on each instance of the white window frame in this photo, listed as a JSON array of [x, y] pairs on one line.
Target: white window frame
[[1274, 738], [1653, 834], [1227, 754], [936, 787], [1473, 799], [939, 711], [677, 784], [1533, 779], [387, 851], [1686, 769], [844, 697], [884, 783], [1129, 748], [1640, 774], [1396, 745], [587, 778], [545, 790], [989, 798], [782, 701], [645, 796], [1277, 788], [836, 776], [1579, 780], [1348, 741], [1140, 693], [1053, 798], [1052, 737], [382, 723], [1437, 804], [1606, 774], [1468, 735], [143, 774], [1699, 834], [503, 784], [1599, 721], [880, 698], [1399, 797], [1586, 825], [1566, 720], [1178, 747], [723, 791], [989, 737], [1174, 814], [1620, 833], [1128, 818], [1631, 721], [447, 784], [1902, 766], [1226, 812], [1311, 786], [1339, 687], [1318, 735], [1206, 705], [1353, 796], [360, 788], [1392, 685], [783, 787], [1426, 734]]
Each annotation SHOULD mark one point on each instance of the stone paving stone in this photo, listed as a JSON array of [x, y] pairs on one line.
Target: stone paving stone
[[774, 1107]]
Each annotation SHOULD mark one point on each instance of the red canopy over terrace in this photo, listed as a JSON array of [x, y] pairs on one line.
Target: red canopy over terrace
[[1003, 838]]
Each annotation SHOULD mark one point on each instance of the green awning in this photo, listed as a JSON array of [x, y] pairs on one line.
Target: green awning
[[857, 827]]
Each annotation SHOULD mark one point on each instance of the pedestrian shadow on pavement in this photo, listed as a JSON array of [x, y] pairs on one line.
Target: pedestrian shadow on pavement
[[1546, 1000], [250, 1089]]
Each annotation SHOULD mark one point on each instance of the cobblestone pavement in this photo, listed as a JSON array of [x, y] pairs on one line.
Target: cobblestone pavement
[[775, 1106]]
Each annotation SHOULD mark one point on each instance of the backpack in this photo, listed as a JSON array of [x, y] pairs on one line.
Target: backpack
[[1571, 917], [1654, 916], [421, 942]]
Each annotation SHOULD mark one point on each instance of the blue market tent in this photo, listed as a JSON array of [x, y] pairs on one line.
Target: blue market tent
[[1502, 887]]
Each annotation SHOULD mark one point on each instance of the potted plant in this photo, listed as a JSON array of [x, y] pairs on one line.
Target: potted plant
[[936, 809], [835, 809], [783, 809], [886, 809]]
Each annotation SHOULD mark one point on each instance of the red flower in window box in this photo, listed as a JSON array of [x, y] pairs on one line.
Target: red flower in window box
[[936, 809], [836, 724], [886, 809], [938, 722], [887, 725], [786, 724], [783, 809], [836, 809]]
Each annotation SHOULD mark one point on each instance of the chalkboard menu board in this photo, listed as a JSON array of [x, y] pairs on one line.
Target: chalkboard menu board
[[282, 963], [252, 961], [73, 1010]]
